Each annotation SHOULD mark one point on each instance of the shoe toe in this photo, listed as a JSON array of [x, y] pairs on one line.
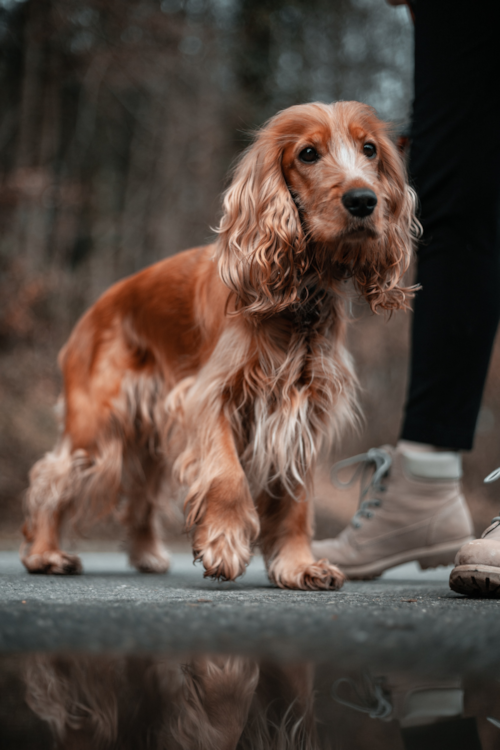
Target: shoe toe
[[479, 552]]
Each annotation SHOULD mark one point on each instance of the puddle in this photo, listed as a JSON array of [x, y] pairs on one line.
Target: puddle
[[223, 702]]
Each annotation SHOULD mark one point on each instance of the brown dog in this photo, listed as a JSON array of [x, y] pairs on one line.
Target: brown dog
[[224, 367], [202, 703]]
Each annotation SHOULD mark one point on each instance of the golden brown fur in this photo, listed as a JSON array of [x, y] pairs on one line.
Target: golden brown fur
[[204, 703], [223, 368]]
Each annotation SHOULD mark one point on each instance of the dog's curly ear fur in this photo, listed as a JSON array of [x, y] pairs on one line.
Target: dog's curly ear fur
[[261, 248], [379, 279]]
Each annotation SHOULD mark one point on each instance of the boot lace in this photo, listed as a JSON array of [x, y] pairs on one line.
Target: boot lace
[[371, 699], [382, 461], [493, 476]]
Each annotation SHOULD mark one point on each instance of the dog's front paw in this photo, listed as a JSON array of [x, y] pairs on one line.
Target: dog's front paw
[[225, 556], [55, 562], [314, 576]]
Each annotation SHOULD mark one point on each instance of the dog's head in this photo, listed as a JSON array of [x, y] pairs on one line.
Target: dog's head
[[322, 190]]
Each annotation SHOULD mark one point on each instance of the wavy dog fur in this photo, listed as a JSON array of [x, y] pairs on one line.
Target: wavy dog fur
[[206, 703], [223, 368]]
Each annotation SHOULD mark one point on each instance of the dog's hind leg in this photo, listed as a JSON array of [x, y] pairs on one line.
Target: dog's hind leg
[[145, 548], [51, 490]]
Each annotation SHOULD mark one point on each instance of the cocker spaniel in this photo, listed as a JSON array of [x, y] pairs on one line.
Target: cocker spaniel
[[223, 368], [144, 702]]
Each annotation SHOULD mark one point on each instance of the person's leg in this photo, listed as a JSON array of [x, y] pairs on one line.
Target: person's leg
[[456, 172], [457, 311], [453, 734], [417, 512]]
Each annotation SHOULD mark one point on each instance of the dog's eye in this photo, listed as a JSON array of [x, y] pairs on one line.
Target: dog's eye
[[309, 155], [369, 150]]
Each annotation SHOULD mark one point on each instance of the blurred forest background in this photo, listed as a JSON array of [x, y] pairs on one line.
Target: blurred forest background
[[119, 120]]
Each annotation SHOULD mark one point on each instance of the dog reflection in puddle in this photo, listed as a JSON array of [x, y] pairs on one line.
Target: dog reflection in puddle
[[240, 703], [205, 703]]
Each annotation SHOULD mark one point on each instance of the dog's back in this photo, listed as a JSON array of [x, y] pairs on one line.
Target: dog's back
[[141, 338]]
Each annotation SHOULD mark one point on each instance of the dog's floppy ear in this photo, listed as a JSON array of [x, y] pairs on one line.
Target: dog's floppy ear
[[379, 280], [261, 247]]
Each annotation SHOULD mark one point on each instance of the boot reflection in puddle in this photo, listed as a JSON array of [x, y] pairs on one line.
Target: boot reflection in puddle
[[430, 714], [205, 703]]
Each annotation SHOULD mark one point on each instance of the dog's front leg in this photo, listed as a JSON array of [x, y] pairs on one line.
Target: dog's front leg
[[285, 541], [212, 706], [222, 511]]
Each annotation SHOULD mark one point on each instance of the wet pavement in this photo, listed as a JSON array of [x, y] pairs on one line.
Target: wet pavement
[[116, 659]]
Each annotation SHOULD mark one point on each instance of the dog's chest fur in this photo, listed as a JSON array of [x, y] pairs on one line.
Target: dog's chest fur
[[282, 384], [293, 386]]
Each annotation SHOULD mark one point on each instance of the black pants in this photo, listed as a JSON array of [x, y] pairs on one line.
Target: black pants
[[455, 168]]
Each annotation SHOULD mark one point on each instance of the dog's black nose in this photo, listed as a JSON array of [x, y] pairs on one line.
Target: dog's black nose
[[360, 201]]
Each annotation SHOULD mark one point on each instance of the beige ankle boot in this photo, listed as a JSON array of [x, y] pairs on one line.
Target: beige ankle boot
[[477, 564], [409, 699], [412, 509]]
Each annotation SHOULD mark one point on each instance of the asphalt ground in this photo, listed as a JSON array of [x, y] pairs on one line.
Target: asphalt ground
[[407, 619]]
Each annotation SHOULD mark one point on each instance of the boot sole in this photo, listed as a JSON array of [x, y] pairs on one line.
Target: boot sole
[[476, 580], [427, 557]]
